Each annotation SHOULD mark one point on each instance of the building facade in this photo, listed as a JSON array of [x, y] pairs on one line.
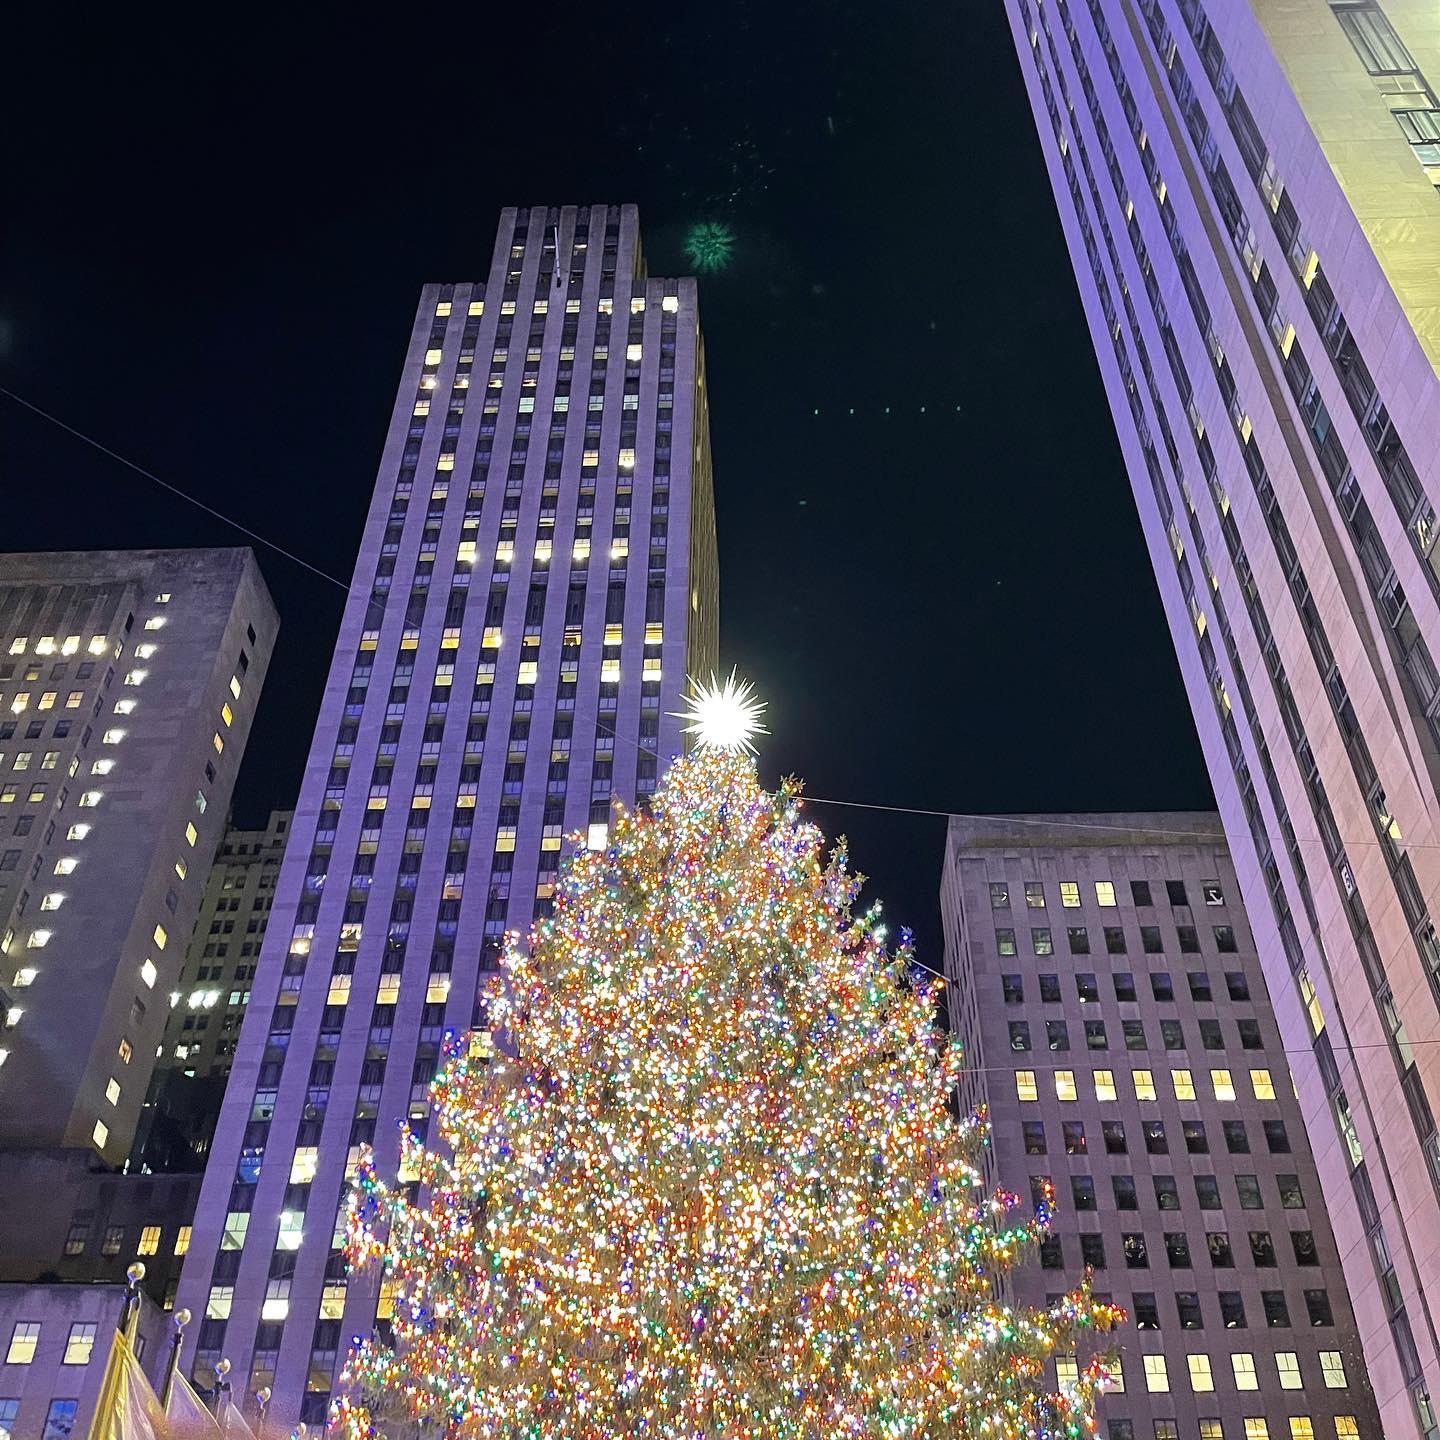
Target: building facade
[[1116, 1023], [128, 682], [537, 576], [1247, 190], [54, 1343], [208, 1004]]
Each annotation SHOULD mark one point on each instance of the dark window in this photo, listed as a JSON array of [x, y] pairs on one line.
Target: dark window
[[1210, 1035], [1172, 1034], [1276, 1137], [1150, 941], [1120, 1430], [1051, 1255], [1095, 1035], [1277, 1312], [1189, 938], [1217, 1242], [1079, 938], [1114, 940], [1155, 1141], [1317, 1307], [1207, 1192], [1082, 1192], [1161, 987], [1086, 988], [1237, 985], [1147, 1317], [1249, 1034], [1199, 983], [1177, 1249], [1005, 942], [1140, 892], [1114, 1132], [1196, 1141], [1092, 1251], [1124, 1188], [1262, 1248], [1050, 989], [1019, 1034], [1225, 939], [1167, 1194], [1034, 1137], [1291, 1196], [1303, 1243], [1187, 1305], [1237, 1142], [1135, 1254], [1248, 1189], [1057, 1035], [1073, 1132], [1040, 940], [1124, 984], [1232, 1310], [1175, 892], [1014, 988], [1134, 1034]]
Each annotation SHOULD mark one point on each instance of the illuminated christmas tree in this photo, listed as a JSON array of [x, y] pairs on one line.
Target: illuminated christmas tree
[[711, 1187]]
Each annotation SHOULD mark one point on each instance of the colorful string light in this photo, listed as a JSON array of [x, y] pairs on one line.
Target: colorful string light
[[709, 1187]]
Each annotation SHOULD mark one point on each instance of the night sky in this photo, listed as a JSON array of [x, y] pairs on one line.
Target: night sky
[[210, 250]]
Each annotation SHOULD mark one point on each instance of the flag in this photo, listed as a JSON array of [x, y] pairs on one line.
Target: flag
[[233, 1425], [128, 1409], [187, 1414]]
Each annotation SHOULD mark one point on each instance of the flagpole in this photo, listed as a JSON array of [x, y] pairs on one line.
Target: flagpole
[[177, 1339], [133, 1276]]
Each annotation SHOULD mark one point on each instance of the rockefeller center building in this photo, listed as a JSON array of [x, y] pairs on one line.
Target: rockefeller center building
[[536, 577], [1248, 192], [1116, 1022]]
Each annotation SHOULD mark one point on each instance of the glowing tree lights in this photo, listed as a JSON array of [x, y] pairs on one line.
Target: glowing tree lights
[[716, 1193]]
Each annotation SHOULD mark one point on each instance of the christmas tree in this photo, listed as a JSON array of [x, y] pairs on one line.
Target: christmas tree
[[710, 1184]]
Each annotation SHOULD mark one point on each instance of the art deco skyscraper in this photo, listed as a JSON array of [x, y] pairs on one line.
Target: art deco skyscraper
[[1115, 1022], [537, 575], [1248, 191], [128, 682]]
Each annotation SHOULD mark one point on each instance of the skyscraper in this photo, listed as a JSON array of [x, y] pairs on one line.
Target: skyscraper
[[537, 575], [1248, 194], [209, 999], [128, 682], [1116, 1023]]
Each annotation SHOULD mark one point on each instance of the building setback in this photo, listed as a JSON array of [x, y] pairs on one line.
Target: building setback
[[1115, 1021], [128, 682], [1247, 189], [54, 1342], [536, 577]]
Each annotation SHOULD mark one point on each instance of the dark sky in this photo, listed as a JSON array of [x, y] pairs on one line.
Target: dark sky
[[210, 248]]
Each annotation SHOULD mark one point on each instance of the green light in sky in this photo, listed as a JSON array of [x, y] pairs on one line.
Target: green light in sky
[[708, 245]]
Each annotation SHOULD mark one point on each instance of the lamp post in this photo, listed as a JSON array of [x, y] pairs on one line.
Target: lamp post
[[133, 1276], [221, 1391], [262, 1404], [177, 1339]]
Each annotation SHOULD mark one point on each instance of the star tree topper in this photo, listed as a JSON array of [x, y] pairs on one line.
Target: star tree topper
[[722, 716]]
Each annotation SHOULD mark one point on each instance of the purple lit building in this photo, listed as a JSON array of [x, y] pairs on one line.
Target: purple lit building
[[1248, 192], [536, 578], [1116, 1024]]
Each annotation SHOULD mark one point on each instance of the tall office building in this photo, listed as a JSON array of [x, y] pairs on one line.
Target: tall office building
[[537, 575], [1116, 1022], [1248, 194], [208, 1003], [128, 682]]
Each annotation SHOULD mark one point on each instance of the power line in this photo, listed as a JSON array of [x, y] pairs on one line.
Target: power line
[[173, 489], [1157, 833]]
